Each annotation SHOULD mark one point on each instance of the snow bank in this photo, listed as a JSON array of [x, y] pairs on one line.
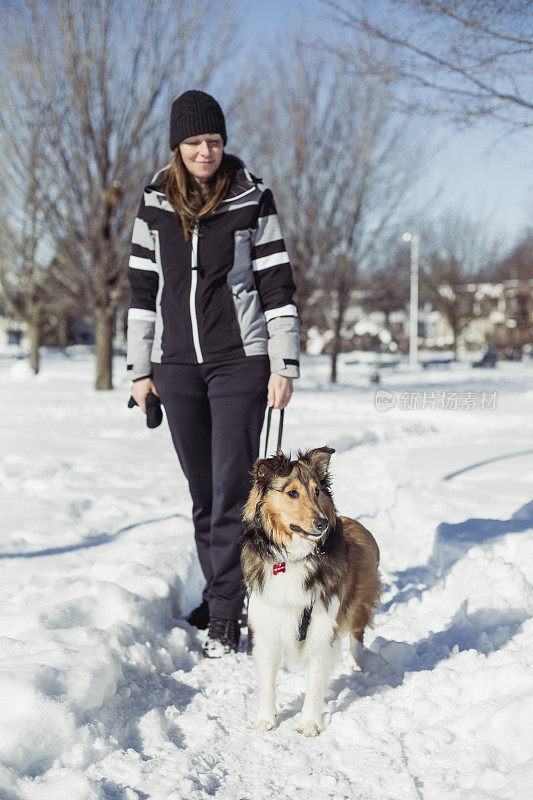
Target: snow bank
[[103, 690]]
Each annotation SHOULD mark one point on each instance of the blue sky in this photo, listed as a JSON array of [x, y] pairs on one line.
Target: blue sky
[[489, 177]]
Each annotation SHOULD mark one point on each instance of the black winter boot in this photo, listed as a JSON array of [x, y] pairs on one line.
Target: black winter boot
[[199, 617], [223, 637]]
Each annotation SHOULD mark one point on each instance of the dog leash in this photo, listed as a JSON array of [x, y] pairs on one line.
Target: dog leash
[[280, 430]]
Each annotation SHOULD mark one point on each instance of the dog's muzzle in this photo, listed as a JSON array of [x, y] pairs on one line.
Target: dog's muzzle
[[320, 524]]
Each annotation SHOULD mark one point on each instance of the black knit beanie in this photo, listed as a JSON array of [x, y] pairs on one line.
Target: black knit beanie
[[193, 113]]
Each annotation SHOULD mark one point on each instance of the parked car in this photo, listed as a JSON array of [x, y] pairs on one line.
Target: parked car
[[439, 363], [490, 357]]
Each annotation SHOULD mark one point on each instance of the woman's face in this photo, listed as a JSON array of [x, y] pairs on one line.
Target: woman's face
[[202, 154]]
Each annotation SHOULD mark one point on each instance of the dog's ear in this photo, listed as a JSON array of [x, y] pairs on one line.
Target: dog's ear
[[262, 471], [319, 459], [265, 468]]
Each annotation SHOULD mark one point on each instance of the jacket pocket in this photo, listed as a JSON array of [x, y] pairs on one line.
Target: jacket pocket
[[241, 270]]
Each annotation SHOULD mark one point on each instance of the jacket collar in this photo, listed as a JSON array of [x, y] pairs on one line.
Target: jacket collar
[[242, 183]]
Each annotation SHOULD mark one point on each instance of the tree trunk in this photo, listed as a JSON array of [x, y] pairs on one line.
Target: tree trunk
[[34, 331], [455, 329], [62, 333], [342, 302], [105, 330], [334, 355]]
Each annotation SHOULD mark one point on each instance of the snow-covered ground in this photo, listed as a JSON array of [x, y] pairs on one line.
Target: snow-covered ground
[[103, 689]]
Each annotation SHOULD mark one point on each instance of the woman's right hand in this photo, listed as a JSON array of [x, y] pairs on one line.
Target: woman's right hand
[[140, 389]]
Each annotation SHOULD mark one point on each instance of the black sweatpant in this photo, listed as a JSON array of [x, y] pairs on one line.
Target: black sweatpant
[[215, 413]]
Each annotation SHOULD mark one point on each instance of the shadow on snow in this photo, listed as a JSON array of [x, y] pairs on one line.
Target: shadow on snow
[[92, 541], [451, 543], [484, 630]]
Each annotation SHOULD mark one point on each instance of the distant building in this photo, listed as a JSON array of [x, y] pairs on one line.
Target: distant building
[[491, 314], [13, 334], [498, 314], [518, 300], [14, 339]]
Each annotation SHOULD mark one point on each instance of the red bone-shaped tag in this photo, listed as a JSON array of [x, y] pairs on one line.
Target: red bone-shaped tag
[[279, 568]]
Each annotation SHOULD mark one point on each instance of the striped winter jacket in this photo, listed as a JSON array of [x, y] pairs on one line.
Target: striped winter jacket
[[225, 293]]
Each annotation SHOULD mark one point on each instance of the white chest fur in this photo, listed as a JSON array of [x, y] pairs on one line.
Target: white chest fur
[[286, 585], [276, 612]]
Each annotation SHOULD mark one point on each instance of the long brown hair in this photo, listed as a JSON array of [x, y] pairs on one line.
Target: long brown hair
[[191, 200]]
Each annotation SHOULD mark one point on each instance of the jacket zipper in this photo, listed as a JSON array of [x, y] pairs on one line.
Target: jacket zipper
[[192, 295]]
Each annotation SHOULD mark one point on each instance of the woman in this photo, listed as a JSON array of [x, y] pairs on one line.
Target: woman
[[213, 330]]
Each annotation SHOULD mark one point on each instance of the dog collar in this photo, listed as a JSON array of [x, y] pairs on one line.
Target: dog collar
[[318, 551]]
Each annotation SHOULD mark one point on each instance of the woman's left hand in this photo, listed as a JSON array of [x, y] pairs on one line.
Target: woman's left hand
[[279, 391]]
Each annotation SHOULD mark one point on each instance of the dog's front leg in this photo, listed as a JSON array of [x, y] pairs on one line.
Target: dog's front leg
[[320, 657], [267, 656], [317, 677]]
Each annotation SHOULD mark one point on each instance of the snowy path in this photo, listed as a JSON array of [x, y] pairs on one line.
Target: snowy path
[[103, 690]]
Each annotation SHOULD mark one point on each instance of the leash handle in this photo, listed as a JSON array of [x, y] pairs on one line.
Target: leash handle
[[280, 429]]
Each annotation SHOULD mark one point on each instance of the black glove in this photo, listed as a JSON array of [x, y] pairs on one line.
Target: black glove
[[154, 415]]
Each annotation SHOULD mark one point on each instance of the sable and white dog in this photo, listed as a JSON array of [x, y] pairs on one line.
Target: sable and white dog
[[311, 577]]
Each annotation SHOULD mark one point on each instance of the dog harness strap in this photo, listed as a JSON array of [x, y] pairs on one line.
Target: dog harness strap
[[304, 623], [280, 430]]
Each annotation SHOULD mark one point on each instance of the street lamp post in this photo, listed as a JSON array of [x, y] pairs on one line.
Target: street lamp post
[[414, 238]]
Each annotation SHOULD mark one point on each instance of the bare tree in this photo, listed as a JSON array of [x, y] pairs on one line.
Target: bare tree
[[466, 59], [22, 285], [24, 242], [518, 264], [387, 289], [105, 78], [457, 251], [340, 165]]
